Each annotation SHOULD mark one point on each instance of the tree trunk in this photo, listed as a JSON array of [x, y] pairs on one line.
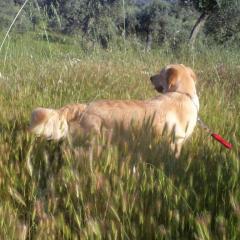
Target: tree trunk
[[197, 27]]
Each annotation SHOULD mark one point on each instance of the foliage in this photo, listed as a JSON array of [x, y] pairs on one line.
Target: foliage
[[93, 18], [210, 5], [154, 22], [95, 21], [7, 12], [224, 25], [221, 25], [166, 22]]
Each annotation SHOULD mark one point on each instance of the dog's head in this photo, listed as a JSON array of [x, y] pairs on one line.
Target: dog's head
[[175, 77]]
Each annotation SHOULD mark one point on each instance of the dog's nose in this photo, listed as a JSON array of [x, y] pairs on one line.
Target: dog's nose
[[159, 89]]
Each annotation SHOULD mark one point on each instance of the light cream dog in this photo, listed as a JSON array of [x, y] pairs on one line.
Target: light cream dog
[[175, 111]]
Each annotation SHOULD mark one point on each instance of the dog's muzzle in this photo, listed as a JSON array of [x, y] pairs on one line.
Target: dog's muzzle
[[159, 88]]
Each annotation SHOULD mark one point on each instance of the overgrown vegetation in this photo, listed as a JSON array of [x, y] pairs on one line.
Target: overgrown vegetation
[[62, 52], [134, 189]]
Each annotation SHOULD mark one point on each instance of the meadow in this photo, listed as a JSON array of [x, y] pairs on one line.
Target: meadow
[[134, 189]]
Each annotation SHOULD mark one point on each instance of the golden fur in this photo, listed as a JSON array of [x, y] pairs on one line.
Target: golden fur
[[175, 111]]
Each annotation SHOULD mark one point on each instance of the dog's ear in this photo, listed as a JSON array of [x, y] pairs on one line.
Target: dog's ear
[[172, 77], [192, 74]]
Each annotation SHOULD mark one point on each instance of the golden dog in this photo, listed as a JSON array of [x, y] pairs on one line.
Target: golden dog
[[175, 111]]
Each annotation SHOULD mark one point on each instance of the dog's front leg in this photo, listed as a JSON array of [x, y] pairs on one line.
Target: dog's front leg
[[176, 147]]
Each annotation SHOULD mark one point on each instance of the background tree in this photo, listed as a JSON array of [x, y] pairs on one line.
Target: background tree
[[223, 27], [152, 21], [206, 8], [93, 18], [164, 21]]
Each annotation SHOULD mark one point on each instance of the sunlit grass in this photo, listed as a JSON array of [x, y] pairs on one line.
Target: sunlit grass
[[134, 189]]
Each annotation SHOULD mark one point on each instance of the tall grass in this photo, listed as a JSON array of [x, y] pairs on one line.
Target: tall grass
[[134, 189]]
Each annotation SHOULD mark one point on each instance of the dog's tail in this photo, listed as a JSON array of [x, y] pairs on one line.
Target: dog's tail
[[53, 124]]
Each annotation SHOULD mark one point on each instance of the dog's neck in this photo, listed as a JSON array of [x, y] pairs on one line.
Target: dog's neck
[[193, 98]]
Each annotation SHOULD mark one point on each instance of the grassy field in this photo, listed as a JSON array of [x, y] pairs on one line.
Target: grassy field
[[134, 189]]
